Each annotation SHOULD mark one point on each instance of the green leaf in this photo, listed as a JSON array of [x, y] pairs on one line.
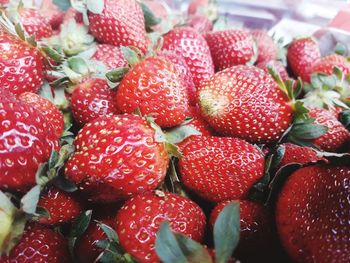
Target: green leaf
[[150, 18], [64, 184], [53, 54], [300, 111], [30, 200], [110, 233], [226, 232], [117, 75], [78, 65], [180, 133], [340, 49], [64, 5], [344, 118], [42, 212], [276, 76], [130, 55], [81, 224], [338, 73], [308, 131], [20, 31], [103, 244], [328, 81], [53, 159], [278, 156], [193, 251], [95, 6], [173, 150], [298, 88]]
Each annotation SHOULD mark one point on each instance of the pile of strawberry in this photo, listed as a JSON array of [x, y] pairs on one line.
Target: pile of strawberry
[[133, 134]]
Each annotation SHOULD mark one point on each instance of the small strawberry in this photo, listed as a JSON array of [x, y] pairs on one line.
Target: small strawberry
[[219, 168], [121, 23], [21, 65], [200, 23], [189, 44], [230, 47], [62, 207], [39, 244], [327, 63], [153, 86], [47, 108], [336, 137], [245, 102], [27, 141], [110, 55], [277, 65], [302, 54], [139, 219], [312, 214], [267, 49], [91, 99], [117, 157]]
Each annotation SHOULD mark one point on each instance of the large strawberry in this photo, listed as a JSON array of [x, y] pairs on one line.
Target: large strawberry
[[312, 214], [111, 56], [39, 244], [27, 139], [219, 168], [117, 157], [267, 49], [302, 54], [154, 86], [121, 23], [139, 219], [21, 65], [186, 42], [245, 102], [327, 63]]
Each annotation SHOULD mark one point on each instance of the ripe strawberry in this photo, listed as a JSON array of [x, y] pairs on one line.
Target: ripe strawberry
[[39, 244], [257, 235], [91, 99], [245, 102], [336, 137], [153, 86], [138, 221], [110, 55], [62, 207], [117, 157], [47, 108], [189, 44], [327, 63], [200, 23], [27, 141], [312, 214], [21, 65], [277, 65], [35, 24], [120, 24], [219, 169], [184, 73], [302, 54], [267, 49], [230, 47]]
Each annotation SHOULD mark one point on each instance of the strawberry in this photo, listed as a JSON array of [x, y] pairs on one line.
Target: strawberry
[[62, 207], [139, 219], [219, 168], [121, 23], [27, 141], [47, 108], [245, 102], [153, 86], [327, 63], [277, 65], [21, 65], [110, 55], [71, 13], [195, 5], [91, 99], [336, 137], [39, 244], [302, 54], [267, 49], [117, 157], [230, 47], [189, 44], [53, 14], [184, 73], [200, 23], [312, 214], [35, 24], [257, 235]]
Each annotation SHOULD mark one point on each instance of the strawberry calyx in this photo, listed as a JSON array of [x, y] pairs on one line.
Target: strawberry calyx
[[150, 18], [85, 6], [344, 118]]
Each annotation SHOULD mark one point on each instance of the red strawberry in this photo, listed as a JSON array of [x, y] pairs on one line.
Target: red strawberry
[[91, 99], [35, 24], [312, 214], [200, 23], [71, 13], [257, 235], [277, 65], [302, 54], [110, 55], [120, 24], [230, 47], [195, 5], [21, 65], [219, 169], [139, 219], [327, 63], [27, 139], [186, 42], [184, 72], [47, 108], [117, 157], [39, 244], [62, 207], [245, 102], [336, 137], [153, 86], [267, 49], [53, 14]]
